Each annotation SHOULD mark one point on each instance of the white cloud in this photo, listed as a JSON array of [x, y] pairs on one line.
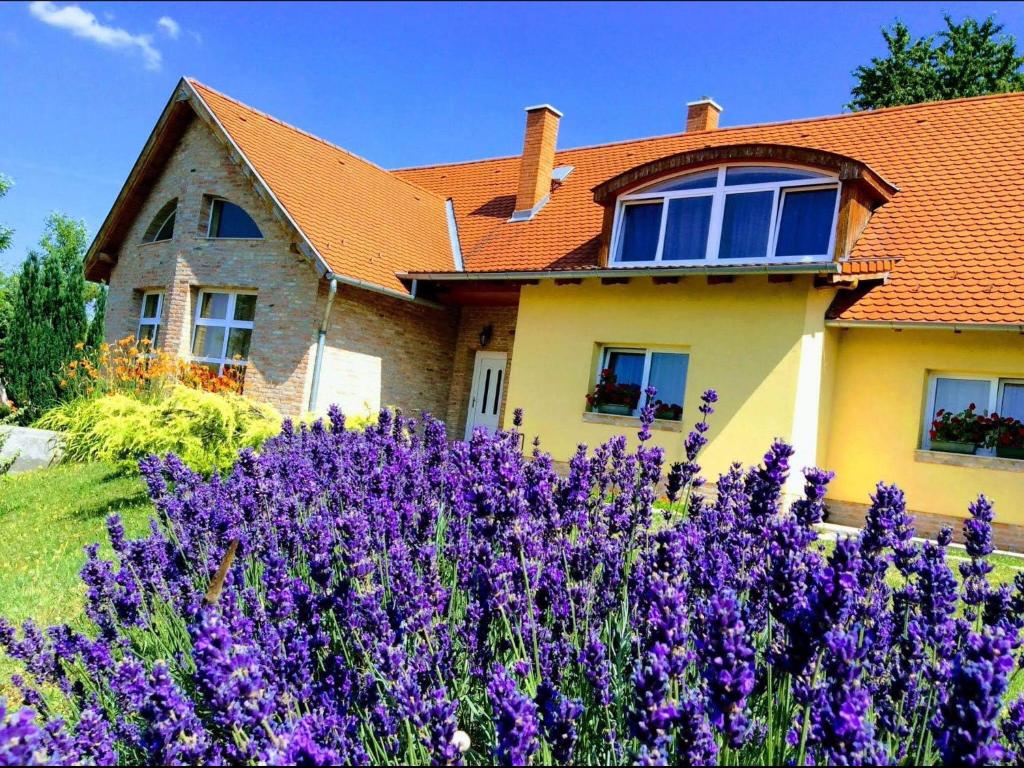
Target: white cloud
[[170, 26], [82, 23]]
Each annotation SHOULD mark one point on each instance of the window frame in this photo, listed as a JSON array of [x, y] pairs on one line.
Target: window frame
[[209, 221], [718, 193], [227, 324], [156, 228], [995, 398], [606, 351], [155, 321]]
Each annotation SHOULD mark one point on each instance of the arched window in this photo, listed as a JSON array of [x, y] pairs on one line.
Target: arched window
[[733, 214], [230, 220], [162, 226]]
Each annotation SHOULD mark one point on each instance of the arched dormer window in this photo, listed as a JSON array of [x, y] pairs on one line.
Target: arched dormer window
[[162, 226], [740, 213], [228, 220]]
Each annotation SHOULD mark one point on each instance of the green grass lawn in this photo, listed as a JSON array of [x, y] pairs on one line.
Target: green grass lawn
[[1005, 566], [46, 517]]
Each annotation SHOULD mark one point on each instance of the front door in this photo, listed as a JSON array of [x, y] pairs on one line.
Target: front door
[[485, 396]]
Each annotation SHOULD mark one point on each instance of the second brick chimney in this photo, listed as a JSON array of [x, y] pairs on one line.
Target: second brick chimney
[[702, 115], [538, 159]]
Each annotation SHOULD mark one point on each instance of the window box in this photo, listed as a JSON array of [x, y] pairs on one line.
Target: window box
[[631, 422], [950, 446], [1008, 452], [968, 462], [613, 409]]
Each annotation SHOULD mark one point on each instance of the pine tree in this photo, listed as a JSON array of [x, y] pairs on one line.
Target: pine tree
[[49, 308], [94, 336]]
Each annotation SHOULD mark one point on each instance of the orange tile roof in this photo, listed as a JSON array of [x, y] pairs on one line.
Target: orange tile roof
[[366, 223], [956, 227]]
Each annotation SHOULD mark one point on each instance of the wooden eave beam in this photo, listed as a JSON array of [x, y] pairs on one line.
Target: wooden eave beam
[[175, 119]]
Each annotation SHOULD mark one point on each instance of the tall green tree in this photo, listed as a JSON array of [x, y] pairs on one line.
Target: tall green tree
[[49, 308], [971, 58], [94, 336]]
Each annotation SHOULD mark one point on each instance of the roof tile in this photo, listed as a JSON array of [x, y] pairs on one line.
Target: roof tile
[[366, 223], [956, 226]]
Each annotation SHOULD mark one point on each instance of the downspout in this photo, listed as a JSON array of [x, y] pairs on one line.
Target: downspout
[[321, 341]]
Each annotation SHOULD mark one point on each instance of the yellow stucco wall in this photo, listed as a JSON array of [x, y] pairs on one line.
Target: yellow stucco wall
[[761, 345], [878, 404]]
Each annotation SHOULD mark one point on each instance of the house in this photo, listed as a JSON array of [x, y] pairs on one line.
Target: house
[[838, 280]]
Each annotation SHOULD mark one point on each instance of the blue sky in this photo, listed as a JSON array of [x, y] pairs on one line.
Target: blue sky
[[81, 84]]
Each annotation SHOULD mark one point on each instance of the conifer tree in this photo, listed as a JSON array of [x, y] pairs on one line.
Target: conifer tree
[[49, 317]]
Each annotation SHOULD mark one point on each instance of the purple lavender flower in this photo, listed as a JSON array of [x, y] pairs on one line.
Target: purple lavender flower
[[965, 725], [1013, 731], [515, 720], [727, 656], [978, 543], [23, 742], [389, 587], [558, 720]]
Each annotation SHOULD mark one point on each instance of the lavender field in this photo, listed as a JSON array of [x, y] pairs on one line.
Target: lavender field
[[384, 596]]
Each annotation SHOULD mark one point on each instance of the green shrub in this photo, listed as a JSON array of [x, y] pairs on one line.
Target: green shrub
[[205, 429]]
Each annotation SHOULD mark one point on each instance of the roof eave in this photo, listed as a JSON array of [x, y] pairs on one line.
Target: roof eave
[[96, 257], [817, 268], [921, 325]]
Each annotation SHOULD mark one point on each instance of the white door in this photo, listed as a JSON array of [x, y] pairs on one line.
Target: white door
[[485, 396]]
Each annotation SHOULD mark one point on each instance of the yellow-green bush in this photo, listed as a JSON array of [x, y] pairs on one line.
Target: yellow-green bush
[[205, 429]]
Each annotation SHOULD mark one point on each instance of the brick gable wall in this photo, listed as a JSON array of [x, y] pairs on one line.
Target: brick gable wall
[[286, 283]]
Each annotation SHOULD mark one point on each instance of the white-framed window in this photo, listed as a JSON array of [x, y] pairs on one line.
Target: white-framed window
[[230, 221], [730, 214], [162, 226], [222, 331], [954, 392], [636, 368], [149, 318]]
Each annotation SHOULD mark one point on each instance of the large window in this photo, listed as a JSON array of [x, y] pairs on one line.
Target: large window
[[230, 220], [223, 329], [734, 214], [953, 393], [149, 319], [637, 369]]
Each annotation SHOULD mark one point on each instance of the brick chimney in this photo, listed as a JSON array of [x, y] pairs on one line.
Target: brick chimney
[[538, 159], [702, 115]]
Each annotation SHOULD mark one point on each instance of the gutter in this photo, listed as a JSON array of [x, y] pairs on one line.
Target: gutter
[[321, 341], [824, 268], [927, 326]]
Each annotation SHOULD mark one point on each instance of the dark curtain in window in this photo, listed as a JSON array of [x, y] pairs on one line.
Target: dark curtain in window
[[641, 227], [686, 231], [806, 225], [745, 225]]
